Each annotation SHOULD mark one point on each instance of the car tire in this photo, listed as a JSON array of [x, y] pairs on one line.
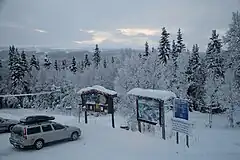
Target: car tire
[[74, 136], [10, 128], [38, 144]]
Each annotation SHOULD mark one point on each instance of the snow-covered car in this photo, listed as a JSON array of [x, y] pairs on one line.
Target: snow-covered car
[[7, 124], [35, 132]]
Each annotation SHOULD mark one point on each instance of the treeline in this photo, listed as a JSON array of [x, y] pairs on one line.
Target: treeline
[[210, 81]]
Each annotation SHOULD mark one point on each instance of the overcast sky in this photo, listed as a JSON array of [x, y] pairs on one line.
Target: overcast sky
[[111, 23]]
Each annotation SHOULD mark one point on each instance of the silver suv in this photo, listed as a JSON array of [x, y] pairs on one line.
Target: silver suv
[[39, 133]]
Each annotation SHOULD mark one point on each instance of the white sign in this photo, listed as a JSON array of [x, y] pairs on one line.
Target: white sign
[[182, 126]]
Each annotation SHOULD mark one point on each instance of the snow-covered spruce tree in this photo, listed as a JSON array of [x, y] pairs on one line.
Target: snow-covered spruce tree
[[25, 67], [232, 91], [24, 62], [82, 67], [86, 61], [73, 67], [174, 66], [47, 62], [34, 63], [196, 78], [180, 44], [164, 46], [56, 65], [153, 50], [215, 72], [104, 63], [146, 50], [113, 60], [17, 73], [64, 64], [34, 68], [96, 56]]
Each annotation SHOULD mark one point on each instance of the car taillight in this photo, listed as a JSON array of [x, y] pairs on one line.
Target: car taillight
[[25, 133]]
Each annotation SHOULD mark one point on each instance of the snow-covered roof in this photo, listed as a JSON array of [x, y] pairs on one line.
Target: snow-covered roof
[[97, 88], [155, 94]]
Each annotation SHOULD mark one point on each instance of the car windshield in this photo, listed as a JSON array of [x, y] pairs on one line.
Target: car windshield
[[17, 130]]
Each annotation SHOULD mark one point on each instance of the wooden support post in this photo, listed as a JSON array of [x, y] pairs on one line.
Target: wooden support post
[[177, 137], [162, 119], [85, 113], [79, 113], [187, 141], [139, 126], [139, 123], [113, 124], [111, 109]]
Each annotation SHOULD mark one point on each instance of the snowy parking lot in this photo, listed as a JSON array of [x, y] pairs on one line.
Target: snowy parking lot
[[100, 141]]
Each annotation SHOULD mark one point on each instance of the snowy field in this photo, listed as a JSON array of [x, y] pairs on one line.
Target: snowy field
[[100, 141]]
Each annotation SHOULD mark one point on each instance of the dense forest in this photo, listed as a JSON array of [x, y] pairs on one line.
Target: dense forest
[[210, 80]]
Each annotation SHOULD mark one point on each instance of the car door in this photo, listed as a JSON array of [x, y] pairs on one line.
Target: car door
[[48, 134], [59, 131]]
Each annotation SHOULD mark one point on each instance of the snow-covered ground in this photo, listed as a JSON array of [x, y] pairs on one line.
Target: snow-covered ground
[[100, 141]]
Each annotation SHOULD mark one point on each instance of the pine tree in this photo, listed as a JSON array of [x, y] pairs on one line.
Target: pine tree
[[153, 50], [140, 55], [34, 63], [24, 62], [180, 45], [56, 65], [164, 46], [86, 61], [73, 67], [96, 56], [64, 63], [214, 57], [113, 60], [82, 66], [47, 62], [175, 64], [146, 49], [104, 63], [196, 79], [16, 71], [232, 40], [11, 57], [215, 72]]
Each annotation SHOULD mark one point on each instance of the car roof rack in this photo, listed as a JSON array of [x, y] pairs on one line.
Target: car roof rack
[[36, 119]]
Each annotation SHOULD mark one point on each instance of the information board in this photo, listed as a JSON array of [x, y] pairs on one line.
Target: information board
[[182, 126], [148, 110]]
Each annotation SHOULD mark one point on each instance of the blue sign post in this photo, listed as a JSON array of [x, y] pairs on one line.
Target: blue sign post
[[181, 109]]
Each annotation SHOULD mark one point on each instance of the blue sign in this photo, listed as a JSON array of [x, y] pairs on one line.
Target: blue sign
[[181, 109]]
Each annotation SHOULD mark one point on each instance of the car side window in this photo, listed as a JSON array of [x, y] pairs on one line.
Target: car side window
[[58, 126], [47, 128], [33, 130]]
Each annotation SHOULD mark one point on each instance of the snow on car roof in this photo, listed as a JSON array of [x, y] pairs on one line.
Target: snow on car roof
[[98, 89], [155, 94]]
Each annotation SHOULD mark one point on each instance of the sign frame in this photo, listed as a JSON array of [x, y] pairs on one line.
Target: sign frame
[[157, 107], [181, 119]]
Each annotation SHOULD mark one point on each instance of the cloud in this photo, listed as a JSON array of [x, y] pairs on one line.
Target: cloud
[[137, 31], [130, 37], [88, 31], [40, 30], [11, 25]]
